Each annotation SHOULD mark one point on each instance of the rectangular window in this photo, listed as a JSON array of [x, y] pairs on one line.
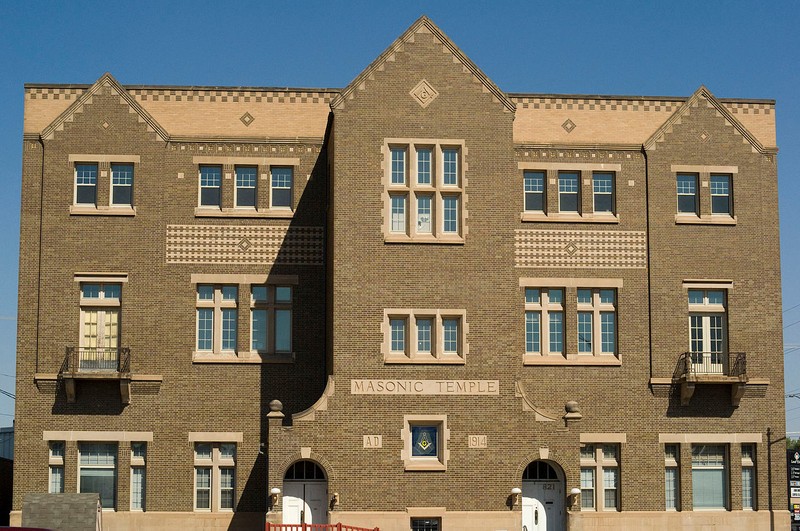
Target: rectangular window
[[534, 191], [596, 321], [544, 320], [99, 327], [271, 319], [450, 172], [603, 188], [721, 194], [246, 179], [282, 178], [398, 327], [450, 335], [426, 524], [398, 213], [398, 165], [748, 477], [138, 475], [217, 318], [86, 184], [214, 476], [97, 471], [424, 217], [121, 184], [429, 336], [56, 461], [425, 442], [424, 160], [568, 192], [709, 476], [450, 214], [672, 476], [687, 193], [424, 335], [707, 331], [600, 461], [211, 186]]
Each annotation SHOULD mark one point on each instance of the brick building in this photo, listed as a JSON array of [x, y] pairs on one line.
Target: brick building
[[418, 302]]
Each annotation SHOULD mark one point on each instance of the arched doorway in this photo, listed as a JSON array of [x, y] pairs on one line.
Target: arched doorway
[[543, 505], [305, 494]]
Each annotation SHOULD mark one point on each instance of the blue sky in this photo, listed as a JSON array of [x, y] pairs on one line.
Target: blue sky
[[737, 49]]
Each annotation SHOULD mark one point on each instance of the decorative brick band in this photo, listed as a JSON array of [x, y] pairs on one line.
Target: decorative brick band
[[580, 248], [212, 244]]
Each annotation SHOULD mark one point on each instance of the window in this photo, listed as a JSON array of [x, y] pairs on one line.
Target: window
[[721, 194], [544, 321], [424, 186], [215, 476], [138, 475], [534, 191], [56, 460], [216, 318], [86, 184], [271, 319], [687, 193], [426, 524], [424, 336], [600, 477], [282, 178], [425, 442], [672, 476], [603, 188], [97, 471], [748, 476], [709, 476], [568, 188], [597, 321], [211, 186], [122, 185], [100, 331], [246, 179], [707, 330]]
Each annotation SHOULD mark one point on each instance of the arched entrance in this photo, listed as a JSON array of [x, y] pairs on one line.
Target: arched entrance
[[305, 494], [543, 506]]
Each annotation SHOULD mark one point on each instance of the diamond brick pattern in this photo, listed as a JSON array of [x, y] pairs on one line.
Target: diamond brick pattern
[[580, 248]]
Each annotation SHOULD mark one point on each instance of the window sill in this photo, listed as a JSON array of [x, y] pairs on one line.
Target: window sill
[[86, 210], [400, 359], [210, 212], [402, 238], [691, 219], [430, 466], [559, 217], [253, 358], [582, 360]]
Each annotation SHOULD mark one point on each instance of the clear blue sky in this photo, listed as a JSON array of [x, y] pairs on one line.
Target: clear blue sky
[[737, 49]]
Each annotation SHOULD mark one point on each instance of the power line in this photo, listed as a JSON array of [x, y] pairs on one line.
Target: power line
[[792, 308], [9, 395], [9, 375], [787, 326]]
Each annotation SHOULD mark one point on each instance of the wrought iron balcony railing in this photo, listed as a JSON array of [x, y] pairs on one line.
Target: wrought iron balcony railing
[[698, 364], [97, 359]]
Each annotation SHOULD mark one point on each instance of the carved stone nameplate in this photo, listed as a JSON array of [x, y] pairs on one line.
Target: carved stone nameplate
[[476, 441], [373, 441], [425, 387]]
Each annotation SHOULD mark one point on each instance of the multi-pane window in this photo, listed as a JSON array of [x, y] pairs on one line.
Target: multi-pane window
[[709, 476], [281, 193], [216, 318], [600, 477], [121, 184], [603, 189], [544, 321], [425, 336], [687, 193], [748, 476], [568, 192], [672, 477], [97, 471], [56, 461], [214, 476], [100, 334], [210, 186], [246, 179], [533, 182], [707, 330], [86, 184], [426, 524], [720, 185], [271, 319], [423, 194], [138, 475], [597, 321]]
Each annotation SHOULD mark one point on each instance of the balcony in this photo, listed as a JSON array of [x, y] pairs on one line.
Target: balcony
[[723, 368], [97, 363]]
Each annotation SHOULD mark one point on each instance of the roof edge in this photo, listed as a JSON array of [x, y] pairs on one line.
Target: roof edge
[[632, 97]]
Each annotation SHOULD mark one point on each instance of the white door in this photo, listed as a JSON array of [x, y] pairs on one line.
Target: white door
[[305, 502], [543, 506]]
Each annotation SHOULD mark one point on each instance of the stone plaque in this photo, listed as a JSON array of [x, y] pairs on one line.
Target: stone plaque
[[476, 441], [373, 441], [425, 387]]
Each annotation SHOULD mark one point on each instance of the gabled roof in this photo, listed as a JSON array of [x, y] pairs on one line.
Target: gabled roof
[[422, 25], [106, 80], [703, 93]]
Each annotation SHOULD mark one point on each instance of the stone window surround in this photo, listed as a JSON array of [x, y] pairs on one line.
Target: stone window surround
[[228, 165], [138, 462], [573, 358], [425, 464], [703, 173], [437, 356], [436, 189], [215, 463], [103, 162], [585, 169], [243, 281]]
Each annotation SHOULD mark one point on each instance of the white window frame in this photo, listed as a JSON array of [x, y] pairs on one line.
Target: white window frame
[[725, 467], [427, 463], [106, 308], [532, 191], [749, 466], [139, 464], [238, 187], [113, 467], [412, 353], [546, 310], [715, 193], [271, 306], [215, 464], [273, 187], [704, 202], [576, 192], [76, 184], [706, 358], [56, 450], [596, 308], [601, 193], [113, 187], [201, 187], [217, 304], [695, 195], [600, 457], [672, 458]]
